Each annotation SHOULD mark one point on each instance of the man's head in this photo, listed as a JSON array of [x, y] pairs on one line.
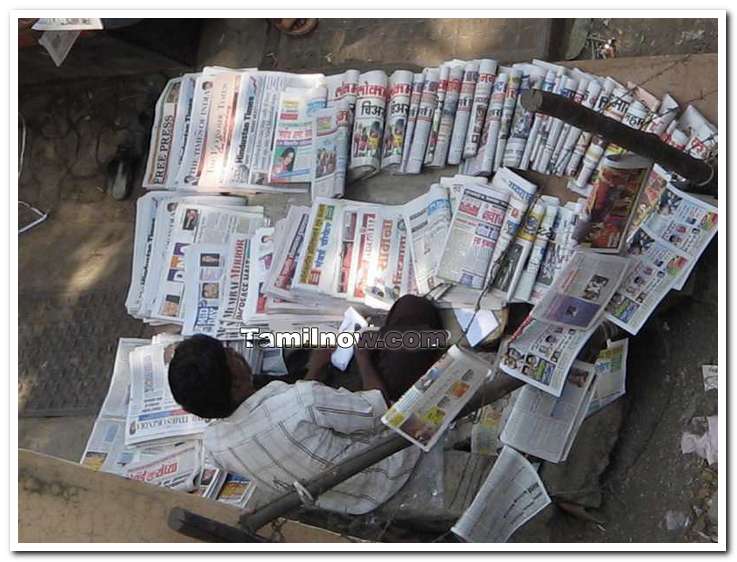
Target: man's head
[[207, 379]]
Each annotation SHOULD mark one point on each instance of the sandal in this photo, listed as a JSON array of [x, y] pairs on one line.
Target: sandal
[[295, 26]]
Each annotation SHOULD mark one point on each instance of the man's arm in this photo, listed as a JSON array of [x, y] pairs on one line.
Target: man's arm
[[317, 365], [370, 377]]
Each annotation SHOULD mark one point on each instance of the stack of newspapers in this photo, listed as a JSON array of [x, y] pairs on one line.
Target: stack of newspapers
[[142, 434], [246, 130]]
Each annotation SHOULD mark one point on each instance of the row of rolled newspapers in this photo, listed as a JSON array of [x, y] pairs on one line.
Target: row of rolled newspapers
[[142, 434], [249, 130]]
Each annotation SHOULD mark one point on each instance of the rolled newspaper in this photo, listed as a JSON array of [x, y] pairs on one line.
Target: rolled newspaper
[[432, 141], [447, 117], [400, 92], [463, 112], [484, 85], [428, 102], [418, 81], [505, 124], [368, 125]]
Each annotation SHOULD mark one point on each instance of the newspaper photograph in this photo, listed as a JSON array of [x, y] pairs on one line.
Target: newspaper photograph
[[545, 426], [397, 114], [472, 236], [368, 125], [511, 495], [611, 375], [541, 354], [582, 291], [425, 411], [152, 412], [177, 468]]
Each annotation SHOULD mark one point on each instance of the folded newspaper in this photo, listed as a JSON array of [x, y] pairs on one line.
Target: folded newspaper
[[426, 410]]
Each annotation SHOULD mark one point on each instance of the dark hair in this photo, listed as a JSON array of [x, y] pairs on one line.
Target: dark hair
[[200, 379]]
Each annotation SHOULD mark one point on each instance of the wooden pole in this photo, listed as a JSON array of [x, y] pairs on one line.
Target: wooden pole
[[648, 145]]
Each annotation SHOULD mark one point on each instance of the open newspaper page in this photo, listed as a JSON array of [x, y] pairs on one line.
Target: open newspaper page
[[582, 291], [611, 375], [368, 125], [538, 250], [448, 114], [511, 495], [326, 179], [153, 414], [473, 234], [545, 426], [513, 262], [400, 92], [204, 273], [423, 124], [177, 468], [684, 221], [612, 202], [293, 156], [428, 220], [197, 224], [425, 411], [657, 266], [106, 450], [118, 394], [541, 354]]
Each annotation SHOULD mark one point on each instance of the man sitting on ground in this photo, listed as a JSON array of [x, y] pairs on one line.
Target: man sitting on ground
[[284, 433]]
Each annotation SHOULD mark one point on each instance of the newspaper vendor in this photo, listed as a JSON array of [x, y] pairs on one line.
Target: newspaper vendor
[[284, 432]]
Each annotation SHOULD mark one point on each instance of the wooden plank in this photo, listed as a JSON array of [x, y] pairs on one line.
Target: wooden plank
[[62, 501]]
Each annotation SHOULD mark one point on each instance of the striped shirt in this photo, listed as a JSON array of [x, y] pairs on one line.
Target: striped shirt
[[288, 432]]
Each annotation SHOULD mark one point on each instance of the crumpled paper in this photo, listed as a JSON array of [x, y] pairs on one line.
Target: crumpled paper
[[706, 445]]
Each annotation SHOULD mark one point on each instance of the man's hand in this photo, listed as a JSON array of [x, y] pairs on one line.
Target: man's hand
[[317, 363]]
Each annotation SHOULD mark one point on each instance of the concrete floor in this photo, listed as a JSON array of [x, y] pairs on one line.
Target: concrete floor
[[86, 246]]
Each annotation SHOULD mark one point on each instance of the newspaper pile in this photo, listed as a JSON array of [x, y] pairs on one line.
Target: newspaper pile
[[142, 434]]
